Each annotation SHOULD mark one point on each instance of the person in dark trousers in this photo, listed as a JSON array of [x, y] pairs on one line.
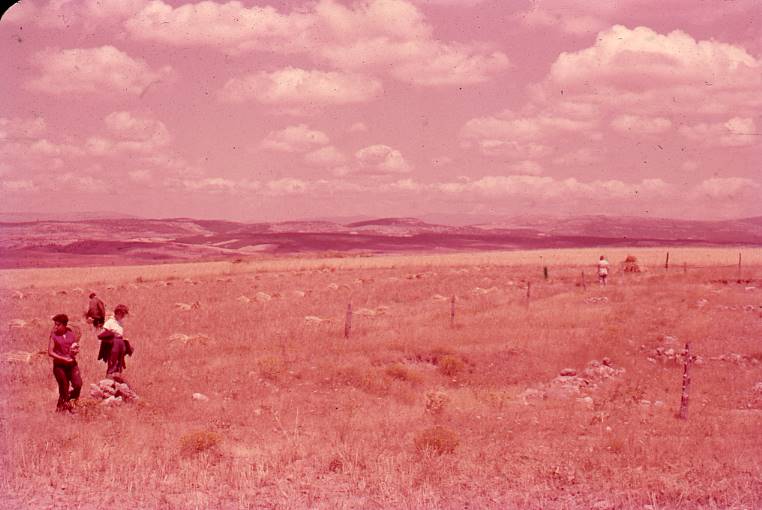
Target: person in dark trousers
[[96, 312], [63, 347], [114, 345]]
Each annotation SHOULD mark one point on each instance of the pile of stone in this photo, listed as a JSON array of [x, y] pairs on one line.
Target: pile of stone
[[111, 392], [736, 359], [745, 308], [571, 382], [597, 300], [670, 351]]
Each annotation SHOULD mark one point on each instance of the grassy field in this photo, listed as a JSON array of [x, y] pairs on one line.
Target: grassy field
[[412, 411]]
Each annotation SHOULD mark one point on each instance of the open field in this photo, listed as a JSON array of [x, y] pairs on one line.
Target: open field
[[411, 411]]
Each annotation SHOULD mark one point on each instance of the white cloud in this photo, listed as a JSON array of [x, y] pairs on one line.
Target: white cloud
[[21, 128], [299, 86], [368, 35], [287, 186], [382, 159], [641, 125], [97, 71], [736, 132], [526, 167], [726, 189], [299, 138], [326, 156]]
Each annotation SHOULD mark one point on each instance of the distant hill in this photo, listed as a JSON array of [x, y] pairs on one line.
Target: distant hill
[[34, 241], [69, 216]]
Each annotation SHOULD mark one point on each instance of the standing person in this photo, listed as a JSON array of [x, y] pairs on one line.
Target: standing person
[[114, 346], [603, 270], [96, 312], [63, 348]]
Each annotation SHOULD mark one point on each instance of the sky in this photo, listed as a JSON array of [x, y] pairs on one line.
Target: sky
[[282, 110]]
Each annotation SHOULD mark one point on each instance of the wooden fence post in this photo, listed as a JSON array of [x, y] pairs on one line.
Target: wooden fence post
[[452, 311], [529, 292], [348, 321], [683, 414], [739, 265], [666, 263], [584, 283], [545, 272]]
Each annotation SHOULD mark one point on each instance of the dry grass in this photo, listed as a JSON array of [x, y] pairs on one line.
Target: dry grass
[[409, 412]]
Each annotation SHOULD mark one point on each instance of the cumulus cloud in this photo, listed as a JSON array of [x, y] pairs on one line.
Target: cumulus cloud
[[286, 186], [300, 86], [299, 138], [325, 156], [509, 134], [727, 189], [366, 36], [229, 25], [381, 159], [526, 167], [97, 71], [130, 133], [640, 124], [21, 128], [736, 132], [658, 72]]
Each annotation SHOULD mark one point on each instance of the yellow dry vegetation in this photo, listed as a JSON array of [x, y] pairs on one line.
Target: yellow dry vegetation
[[412, 411]]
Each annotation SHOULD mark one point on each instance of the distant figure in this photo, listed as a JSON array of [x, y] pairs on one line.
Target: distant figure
[[63, 347], [603, 270], [114, 346], [96, 312]]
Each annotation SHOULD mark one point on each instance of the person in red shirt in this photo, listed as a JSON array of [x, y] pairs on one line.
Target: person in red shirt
[[63, 347]]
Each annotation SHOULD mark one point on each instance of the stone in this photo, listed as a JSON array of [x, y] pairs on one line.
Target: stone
[[200, 397], [567, 372]]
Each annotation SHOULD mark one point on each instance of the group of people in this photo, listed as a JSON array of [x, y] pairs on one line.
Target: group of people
[[63, 347]]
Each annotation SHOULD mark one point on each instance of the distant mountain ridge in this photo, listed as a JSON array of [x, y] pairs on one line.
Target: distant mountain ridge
[[137, 240]]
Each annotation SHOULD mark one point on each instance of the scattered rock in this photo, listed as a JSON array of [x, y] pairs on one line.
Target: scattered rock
[[701, 303], [263, 297], [17, 294], [243, 299], [481, 291], [22, 356], [16, 323], [440, 297], [190, 339], [200, 397], [333, 286], [299, 293], [313, 319], [567, 372], [597, 300], [112, 392]]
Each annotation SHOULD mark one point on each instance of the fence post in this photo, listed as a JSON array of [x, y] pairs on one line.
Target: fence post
[[529, 292], [685, 267], [452, 311], [666, 263], [545, 272], [348, 321], [584, 283], [739, 265], [683, 414]]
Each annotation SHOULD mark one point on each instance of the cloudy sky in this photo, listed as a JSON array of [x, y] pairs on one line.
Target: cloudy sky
[[257, 110]]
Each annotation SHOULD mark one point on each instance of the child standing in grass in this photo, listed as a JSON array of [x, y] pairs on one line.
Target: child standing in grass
[[603, 270], [63, 348]]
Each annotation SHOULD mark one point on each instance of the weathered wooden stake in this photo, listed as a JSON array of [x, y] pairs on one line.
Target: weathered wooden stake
[[452, 311], [545, 272], [683, 414], [584, 283], [666, 263], [348, 321], [529, 291], [739, 265]]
